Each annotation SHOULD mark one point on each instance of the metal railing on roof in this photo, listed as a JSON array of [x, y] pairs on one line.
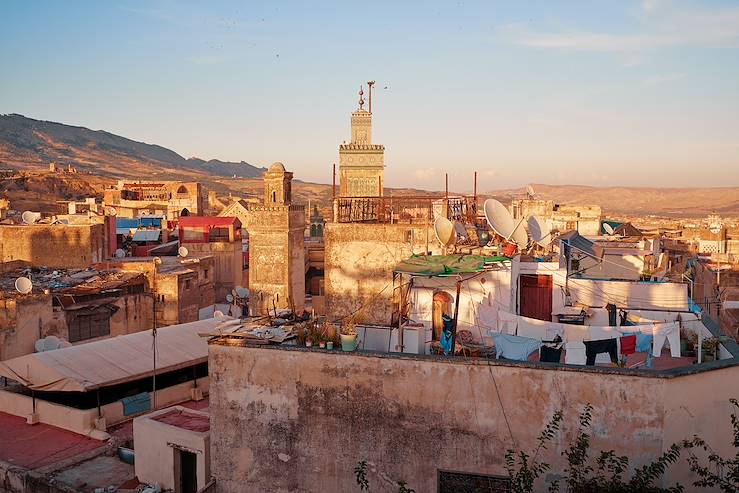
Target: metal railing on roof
[[404, 210]]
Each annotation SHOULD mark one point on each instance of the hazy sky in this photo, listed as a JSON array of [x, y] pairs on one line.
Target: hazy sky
[[643, 93]]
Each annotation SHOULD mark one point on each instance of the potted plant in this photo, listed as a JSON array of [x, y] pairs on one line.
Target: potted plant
[[710, 346], [348, 337], [688, 340]]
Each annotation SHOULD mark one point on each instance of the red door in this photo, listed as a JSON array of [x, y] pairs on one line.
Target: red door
[[536, 296]]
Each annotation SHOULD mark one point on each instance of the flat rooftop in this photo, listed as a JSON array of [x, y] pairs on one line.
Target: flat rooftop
[[67, 281], [39, 445], [184, 419]]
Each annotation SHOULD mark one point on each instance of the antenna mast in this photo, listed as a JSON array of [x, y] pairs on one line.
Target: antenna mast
[[370, 83]]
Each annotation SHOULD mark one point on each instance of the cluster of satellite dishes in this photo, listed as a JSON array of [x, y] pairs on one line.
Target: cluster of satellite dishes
[[501, 222], [239, 293]]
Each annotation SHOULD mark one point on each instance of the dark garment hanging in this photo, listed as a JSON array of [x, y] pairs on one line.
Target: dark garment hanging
[[624, 315], [593, 348], [611, 314], [550, 354]]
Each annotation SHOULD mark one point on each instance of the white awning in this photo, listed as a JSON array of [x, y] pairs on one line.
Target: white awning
[[111, 361]]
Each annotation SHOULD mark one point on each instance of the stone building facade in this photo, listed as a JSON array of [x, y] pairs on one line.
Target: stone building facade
[[276, 246], [54, 245], [361, 163], [170, 198], [359, 263]]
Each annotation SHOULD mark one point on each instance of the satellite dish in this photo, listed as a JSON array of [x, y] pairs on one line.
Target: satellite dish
[[218, 314], [50, 343], [120, 253], [157, 260], [30, 217], [241, 292], [540, 231], [230, 298], [530, 191], [608, 229], [715, 228], [501, 221], [182, 252], [23, 285], [445, 231], [111, 211]]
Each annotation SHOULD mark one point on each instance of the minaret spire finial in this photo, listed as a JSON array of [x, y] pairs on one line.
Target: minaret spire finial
[[361, 98]]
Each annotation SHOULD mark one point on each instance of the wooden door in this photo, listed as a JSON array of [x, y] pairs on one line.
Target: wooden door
[[535, 296]]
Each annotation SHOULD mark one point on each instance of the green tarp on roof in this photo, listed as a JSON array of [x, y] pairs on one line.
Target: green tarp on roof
[[439, 265]]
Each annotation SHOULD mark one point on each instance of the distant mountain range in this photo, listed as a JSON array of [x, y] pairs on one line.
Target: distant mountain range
[[676, 202], [28, 144]]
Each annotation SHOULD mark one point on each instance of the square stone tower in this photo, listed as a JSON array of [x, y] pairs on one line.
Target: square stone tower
[[361, 163], [276, 246]]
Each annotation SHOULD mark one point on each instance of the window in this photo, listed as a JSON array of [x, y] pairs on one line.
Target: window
[[218, 235], [205, 273], [89, 326], [274, 196], [460, 482]]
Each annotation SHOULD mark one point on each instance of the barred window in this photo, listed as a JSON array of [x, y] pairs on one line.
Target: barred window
[[461, 482], [89, 326]]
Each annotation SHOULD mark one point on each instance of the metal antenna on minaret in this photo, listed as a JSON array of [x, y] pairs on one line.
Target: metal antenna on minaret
[[370, 83], [361, 99]]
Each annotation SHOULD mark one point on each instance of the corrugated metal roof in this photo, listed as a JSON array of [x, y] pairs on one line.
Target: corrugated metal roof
[[147, 235]]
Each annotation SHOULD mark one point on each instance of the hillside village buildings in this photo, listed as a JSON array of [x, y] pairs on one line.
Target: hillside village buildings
[[205, 353]]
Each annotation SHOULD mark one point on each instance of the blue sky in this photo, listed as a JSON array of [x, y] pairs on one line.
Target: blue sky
[[597, 93]]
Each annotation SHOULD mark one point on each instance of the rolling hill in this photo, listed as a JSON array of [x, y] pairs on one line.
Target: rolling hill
[[27, 144]]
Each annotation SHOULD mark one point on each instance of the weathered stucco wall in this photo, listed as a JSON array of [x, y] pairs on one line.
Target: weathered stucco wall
[[276, 257], [322, 412], [53, 245], [25, 319], [359, 264]]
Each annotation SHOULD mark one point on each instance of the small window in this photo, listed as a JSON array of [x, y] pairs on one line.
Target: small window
[[187, 283], [205, 273], [218, 235], [274, 196], [89, 326], [461, 482]]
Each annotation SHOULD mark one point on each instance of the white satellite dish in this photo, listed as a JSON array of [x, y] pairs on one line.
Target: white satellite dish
[[241, 292], [715, 228], [111, 211], [444, 230], [230, 298], [503, 224], [530, 191], [30, 217], [608, 229], [183, 252], [23, 285], [157, 260], [120, 253], [218, 314], [540, 231]]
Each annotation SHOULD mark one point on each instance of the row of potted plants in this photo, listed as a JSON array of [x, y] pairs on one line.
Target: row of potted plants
[[689, 344], [326, 335]]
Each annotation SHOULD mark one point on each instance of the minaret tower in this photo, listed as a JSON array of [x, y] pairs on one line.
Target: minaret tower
[[361, 163]]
